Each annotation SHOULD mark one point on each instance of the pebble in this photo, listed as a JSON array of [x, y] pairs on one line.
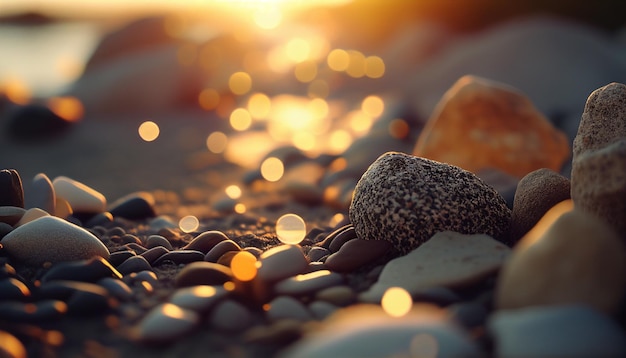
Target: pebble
[[203, 273], [143, 276], [89, 299], [5, 229], [337, 295], [206, 241], [220, 249], [41, 194], [165, 323], [118, 257], [558, 331], [11, 191], [63, 209], [536, 193], [366, 331], [180, 257], [36, 312], [341, 238], [316, 253], [356, 253], [406, 200], [117, 288], [282, 332], [448, 259], [280, 262], [13, 289], [230, 316], [308, 283], [481, 124], [200, 298], [599, 157], [285, 307], [99, 219], [90, 270], [11, 347], [134, 264], [468, 314], [34, 122], [50, 239], [577, 259], [155, 253], [11, 214], [135, 206], [80, 197], [158, 240], [322, 309]]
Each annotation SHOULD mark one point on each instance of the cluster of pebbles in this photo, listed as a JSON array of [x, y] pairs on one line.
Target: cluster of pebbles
[[546, 277]]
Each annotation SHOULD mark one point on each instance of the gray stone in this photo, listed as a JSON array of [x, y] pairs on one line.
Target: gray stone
[[41, 194], [165, 323], [308, 283], [281, 262], [11, 214], [406, 200], [200, 298], [284, 307], [230, 316]]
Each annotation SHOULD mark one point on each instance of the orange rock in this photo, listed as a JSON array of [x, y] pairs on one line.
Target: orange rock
[[480, 124]]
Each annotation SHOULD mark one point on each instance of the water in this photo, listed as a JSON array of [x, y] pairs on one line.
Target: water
[[47, 58]]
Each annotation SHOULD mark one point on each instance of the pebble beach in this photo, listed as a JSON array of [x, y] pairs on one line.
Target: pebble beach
[[460, 194]]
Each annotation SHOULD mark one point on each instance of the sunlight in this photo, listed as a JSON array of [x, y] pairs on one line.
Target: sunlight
[[338, 60], [305, 71], [171, 310], [259, 106], [290, 229], [16, 90], [243, 266], [189, 223], [240, 208], [298, 49], [233, 191], [69, 108], [209, 99], [216, 142], [240, 83], [373, 106], [374, 67], [272, 169], [149, 131], [240, 119], [396, 302]]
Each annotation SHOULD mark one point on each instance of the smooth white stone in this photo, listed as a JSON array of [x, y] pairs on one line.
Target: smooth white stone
[[166, 322], [30, 215], [80, 197], [309, 282], [42, 194], [50, 239], [281, 262]]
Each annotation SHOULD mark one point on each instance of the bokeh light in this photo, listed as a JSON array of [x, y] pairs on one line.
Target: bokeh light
[[396, 302], [372, 105], [243, 266], [399, 128], [149, 131], [240, 119], [272, 169], [318, 89], [359, 121], [209, 99], [216, 142], [68, 108], [259, 105], [240, 208], [303, 140], [356, 66], [305, 71], [240, 83], [188, 223], [298, 49], [338, 60], [268, 18], [290, 229], [339, 140], [233, 191], [374, 67], [171, 310], [16, 90]]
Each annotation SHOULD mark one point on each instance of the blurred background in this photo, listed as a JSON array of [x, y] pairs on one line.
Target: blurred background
[[159, 94]]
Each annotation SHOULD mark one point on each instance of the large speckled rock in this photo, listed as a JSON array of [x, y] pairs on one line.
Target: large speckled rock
[[599, 161], [406, 200], [50, 239], [480, 124]]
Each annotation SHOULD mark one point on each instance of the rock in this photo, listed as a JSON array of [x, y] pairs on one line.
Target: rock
[[89, 299], [281, 262], [206, 241], [11, 214], [30, 215], [117, 288], [322, 309], [35, 122], [337, 295], [406, 200], [80, 197], [50, 239], [203, 273], [13, 289], [341, 238], [366, 331], [308, 283], [158, 240], [99, 220], [482, 124], [11, 346], [284, 307], [316, 253], [11, 191], [165, 323], [180, 257], [199, 298], [4, 229], [154, 254], [135, 206], [134, 264], [572, 258], [118, 257], [536, 193], [220, 249], [599, 161], [560, 331], [37, 312], [230, 316], [448, 259], [356, 253], [90, 270], [41, 194]]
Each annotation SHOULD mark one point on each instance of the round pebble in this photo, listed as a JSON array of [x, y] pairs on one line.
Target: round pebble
[[285, 307], [230, 316], [158, 240], [41, 194], [356, 253], [166, 322], [220, 249], [90, 270], [135, 206], [134, 264], [206, 241], [11, 191], [80, 197], [308, 283], [290, 229], [281, 262], [180, 257], [203, 273], [200, 298], [11, 214]]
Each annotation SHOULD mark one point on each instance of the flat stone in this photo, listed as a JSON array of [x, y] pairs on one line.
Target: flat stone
[[599, 157], [206, 241], [11, 214], [285, 307], [154, 254], [30, 215], [165, 323], [118, 257], [180, 257], [134, 264], [11, 191], [572, 258], [41, 194], [536, 193], [117, 288], [356, 253], [481, 124], [220, 249], [230, 316], [203, 273], [316, 253], [200, 298], [406, 200], [37, 312], [13, 289], [341, 238], [558, 331], [158, 240], [448, 259], [50, 239], [280, 262], [135, 206], [90, 270], [80, 197], [308, 283], [337, 295]]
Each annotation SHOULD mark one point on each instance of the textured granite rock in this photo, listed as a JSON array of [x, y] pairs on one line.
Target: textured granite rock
[[406, 200], [536, 193], [481, 124], [599, 161]]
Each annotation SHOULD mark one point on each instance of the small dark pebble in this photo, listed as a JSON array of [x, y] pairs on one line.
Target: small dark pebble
[[341, 238], [154, 253], [99, 219], [13, 289], [90, 299], [37, 312], [203, 273], [158, 240], [316, 253], [180, 257], [118, 257], [135, 206], [117, 288], [11, 191], [129, 239], [134, 264], [133, 246], [227, 258], [5, 229], [326, 242], [116, 231], [85, 271], [440, 296], [206, 241], [220, 249], [143, 276]]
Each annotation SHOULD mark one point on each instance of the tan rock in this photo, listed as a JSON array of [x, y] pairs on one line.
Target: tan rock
[[481, 124], [568, 258], [599, 161]]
